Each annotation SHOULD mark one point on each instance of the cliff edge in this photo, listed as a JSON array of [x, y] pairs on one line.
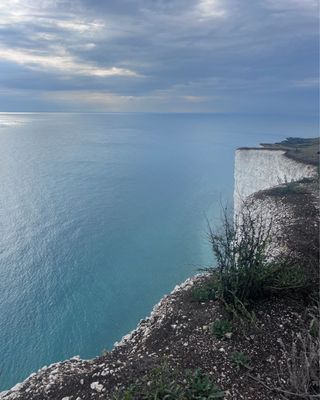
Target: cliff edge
[[270, 165]]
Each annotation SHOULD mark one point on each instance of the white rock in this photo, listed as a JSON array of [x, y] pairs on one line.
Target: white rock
[[97, 386], [205, 327]]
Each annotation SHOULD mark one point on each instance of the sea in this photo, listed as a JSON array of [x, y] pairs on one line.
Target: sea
[[101, 215]]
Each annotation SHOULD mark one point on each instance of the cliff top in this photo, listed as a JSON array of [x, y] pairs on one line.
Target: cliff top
[[299, 149]]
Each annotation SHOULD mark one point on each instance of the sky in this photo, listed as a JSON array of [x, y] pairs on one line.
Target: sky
[[216, 56]]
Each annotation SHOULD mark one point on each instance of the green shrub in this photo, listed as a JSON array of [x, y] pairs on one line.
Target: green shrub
[[204, 293], [241, 252], [220, 327], [244, 271], [240, 359]]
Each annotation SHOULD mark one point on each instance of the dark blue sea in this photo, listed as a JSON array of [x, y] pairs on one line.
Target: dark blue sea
[[101, 215]]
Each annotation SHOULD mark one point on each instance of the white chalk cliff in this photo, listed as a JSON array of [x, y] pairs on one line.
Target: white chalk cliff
[[261, 168]]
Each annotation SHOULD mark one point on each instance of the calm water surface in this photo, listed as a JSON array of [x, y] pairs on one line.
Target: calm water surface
[[100, 215]]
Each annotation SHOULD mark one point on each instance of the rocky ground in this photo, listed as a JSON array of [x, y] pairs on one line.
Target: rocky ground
[[178, 331]]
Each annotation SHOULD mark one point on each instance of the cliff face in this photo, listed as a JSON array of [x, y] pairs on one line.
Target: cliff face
[[260, 169], [285, 192]]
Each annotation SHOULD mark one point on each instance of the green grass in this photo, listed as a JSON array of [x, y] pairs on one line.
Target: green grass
[[305, 150]]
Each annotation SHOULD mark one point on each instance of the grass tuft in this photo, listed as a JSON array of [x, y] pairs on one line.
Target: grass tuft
[[220, 327]]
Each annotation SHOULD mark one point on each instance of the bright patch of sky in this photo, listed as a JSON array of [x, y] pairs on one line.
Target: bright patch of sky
[[232, 56]]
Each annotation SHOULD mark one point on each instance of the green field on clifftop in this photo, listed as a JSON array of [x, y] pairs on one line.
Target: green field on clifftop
[[305, 150]]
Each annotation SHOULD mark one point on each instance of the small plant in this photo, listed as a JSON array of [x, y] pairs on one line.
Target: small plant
[[239, 311], [220, 327], [162, 384], [204, 293], [200, 386], [240, 359], [289, 277], [314, 329]]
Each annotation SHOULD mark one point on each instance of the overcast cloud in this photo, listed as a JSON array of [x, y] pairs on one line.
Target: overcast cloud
[[228, 56]]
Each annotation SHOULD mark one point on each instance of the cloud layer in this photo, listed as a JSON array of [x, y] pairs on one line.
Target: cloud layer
[[159, 55]]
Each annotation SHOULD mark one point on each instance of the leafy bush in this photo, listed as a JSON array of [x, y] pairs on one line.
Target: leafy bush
[[245, 269], [220, 327]]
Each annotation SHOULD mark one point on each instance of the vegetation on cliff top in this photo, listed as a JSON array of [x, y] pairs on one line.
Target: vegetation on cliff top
[[300, 149]]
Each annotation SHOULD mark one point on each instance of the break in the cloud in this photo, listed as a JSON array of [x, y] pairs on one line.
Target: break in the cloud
[[59, 62], [159, 55]]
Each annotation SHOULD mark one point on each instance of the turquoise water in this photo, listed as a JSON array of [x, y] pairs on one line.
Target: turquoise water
[[100, 215]]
